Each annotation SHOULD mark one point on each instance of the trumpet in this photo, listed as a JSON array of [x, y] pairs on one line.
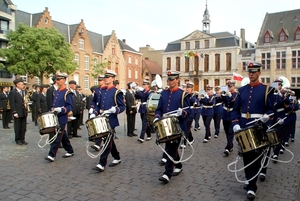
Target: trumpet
[[203, 95], [288, 92]]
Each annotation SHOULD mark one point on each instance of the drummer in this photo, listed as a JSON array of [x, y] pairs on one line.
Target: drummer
[[168, 102], [254, 101]]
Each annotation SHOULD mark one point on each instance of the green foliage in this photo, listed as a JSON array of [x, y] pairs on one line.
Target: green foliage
[[99, 68], [38, 52]]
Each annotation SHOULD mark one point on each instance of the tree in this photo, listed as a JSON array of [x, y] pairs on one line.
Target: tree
[[99, 67], [37, 52]]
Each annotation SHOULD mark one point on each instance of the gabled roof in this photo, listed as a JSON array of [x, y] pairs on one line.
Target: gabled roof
[[247, 52], [22, 17], [96, 41], [106, 39], [73, 29], [152, 66], [125, 47], [62, 28], [275, 22], [35, 18]]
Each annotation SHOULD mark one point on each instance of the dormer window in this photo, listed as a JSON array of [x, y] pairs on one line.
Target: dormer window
[[297, 34], [267, 38], [282, 36], [296, 18], [281, 20]]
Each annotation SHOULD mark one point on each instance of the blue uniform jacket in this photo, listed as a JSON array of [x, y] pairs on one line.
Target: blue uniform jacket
[[251, 103], [218, 108], [108, 100], [193, 104], [63, 98], [96, 97], [208, 105], [172, 100], [143, 96], [228, 103]]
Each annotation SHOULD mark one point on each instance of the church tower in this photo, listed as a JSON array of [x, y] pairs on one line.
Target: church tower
[[206, 21]]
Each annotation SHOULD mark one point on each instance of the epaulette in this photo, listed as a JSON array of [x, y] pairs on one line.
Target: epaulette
[[67, 92]]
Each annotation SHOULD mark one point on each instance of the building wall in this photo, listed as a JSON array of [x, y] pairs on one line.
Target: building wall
[[152, 54], [133, 70]]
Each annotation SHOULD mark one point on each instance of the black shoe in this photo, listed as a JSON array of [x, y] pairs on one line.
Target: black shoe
[[79, 128], [161, 163], [70, 136], [177, 171], [24, 142], [226, 152], [19, 143], [76, 135], [133, 134], [67, 155], [250, 195], [165, 179], [245, 186], [115, 162], [129, 135], [262, 177]]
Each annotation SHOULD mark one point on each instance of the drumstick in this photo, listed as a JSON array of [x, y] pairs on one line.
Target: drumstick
[[275, 124], [255, 120], [176, 110]]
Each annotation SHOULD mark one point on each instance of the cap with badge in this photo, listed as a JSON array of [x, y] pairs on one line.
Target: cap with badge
[[172, 75], [189, 84], [208, 87], [72, 82], [110, 73], [278, 79], [230, 83], [59, 76], [253, 66], [101, 77], [146, 82], [217, 88], [16, 81]]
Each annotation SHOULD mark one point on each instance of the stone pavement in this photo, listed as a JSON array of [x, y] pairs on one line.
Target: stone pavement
[[25, 175]]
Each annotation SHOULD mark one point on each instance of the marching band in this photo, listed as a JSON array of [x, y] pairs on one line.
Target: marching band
[[265, 113]]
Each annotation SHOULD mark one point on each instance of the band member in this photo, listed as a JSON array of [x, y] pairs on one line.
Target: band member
[[130, 110], [50, 93], [143, 96], [62, 105], [207, 112], [189, 119], [218, 110], [170, 100], [41, 103], [82, 105], [111, 101], [72, 127], [254, 101], [197, 110], [94, 103], [34, 98], [228, 103], [89, 99], [19, 111], [4, 106]]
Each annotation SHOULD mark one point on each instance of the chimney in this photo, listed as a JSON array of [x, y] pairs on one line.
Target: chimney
[[147, 45], [243, 40], [147, 58], [234, 32], [124, 41]]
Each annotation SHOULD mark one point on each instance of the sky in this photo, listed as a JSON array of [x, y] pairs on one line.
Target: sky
[[158, 22]]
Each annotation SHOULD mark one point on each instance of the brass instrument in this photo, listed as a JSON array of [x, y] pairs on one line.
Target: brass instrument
[[27, 101], [7, 104]]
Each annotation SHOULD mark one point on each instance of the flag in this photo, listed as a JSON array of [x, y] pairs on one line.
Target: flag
[[237, 77]]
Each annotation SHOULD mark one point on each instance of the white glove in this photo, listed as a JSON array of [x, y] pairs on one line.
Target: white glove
[[16, 114], [173, 115], [91, 110], [206, 96], [264, 118], [280, 121], [92, 116], [179, 112], [112, 110], [106, 112], [228, 94], [236, 128], [57, 109], [155, 120]]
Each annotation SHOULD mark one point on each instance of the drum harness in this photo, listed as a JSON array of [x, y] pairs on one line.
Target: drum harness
[[49, 141], [181, 160], [264, 156]]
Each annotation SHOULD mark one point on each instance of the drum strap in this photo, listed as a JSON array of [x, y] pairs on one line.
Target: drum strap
[[266, 95]]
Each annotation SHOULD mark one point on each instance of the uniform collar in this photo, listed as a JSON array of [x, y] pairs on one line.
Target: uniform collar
[[255, 84], [111, 87], [173, 90], [62, 89]]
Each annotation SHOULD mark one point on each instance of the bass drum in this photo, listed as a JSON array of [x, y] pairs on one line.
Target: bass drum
[[151, 106]]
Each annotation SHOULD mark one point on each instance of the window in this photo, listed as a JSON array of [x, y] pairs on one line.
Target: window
[[267, 37], [266, 61], [113, 51], [205, 82], [129, 59], [186, 64], [206, 44], [24, 78], [96, 81], [37, 80], [282, 36], [217, 82], [280, 60], [217, 62], [196, 64], [4, 27], [76, 60], [86, 62], [245, 66], [178, 63], [168, 63], [228, 61], [76, 79], [297, 34], [86, 84], [295, 82], [136, 74], [187, 45], [136, 61], [197, 45], [95, 61], [81, 44], [296, 59], [129, 72], [206, 63]]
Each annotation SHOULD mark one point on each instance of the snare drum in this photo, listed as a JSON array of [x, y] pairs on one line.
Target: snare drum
[[151, 106], [272, 137], [47, 123], [251, 138], [168, 129], [97, 127]]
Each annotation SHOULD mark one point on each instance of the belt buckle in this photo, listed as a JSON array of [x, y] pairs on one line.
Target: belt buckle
[[248, 115], [228, 109], [101, 111]]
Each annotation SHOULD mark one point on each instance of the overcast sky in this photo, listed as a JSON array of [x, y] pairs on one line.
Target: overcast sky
[[158, 22]]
